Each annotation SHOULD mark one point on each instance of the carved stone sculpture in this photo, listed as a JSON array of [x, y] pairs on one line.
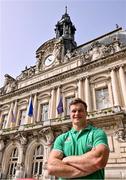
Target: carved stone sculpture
[[120, 135]]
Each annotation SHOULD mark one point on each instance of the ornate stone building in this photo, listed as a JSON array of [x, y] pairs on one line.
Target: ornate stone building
[[94, 71]]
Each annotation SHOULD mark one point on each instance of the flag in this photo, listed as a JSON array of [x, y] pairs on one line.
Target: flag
[[30, 110], [60, 106]]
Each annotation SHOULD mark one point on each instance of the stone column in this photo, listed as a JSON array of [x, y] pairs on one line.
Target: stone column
[[20, 170], [9, 115], [80, 91], [1, 155], [13, 122], [47, 148], [57, 99], [87, 94], [52, 104], [114, 87], [35, 105], [123, 83]]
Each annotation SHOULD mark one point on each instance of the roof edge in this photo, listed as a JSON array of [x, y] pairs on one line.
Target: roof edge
[[116, 30]]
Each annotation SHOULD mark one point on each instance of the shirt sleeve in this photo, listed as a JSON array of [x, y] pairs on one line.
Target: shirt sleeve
[[58, 143], [100, 137]]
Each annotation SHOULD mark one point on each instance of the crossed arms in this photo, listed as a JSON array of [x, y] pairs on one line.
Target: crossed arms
[[77, 166]]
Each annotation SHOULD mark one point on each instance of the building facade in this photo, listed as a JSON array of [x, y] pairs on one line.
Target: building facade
[[29, 121]]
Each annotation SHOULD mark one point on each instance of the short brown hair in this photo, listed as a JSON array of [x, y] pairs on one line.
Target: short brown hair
[[78, 100]]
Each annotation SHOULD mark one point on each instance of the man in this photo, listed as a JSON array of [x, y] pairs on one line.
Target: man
[[82, 152]]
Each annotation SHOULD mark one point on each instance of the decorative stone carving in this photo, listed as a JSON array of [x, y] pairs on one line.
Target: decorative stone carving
[[95, 50], [120, 135], [38, 64], [67, 56], [47, 136], [87, 56], [39, 57], [22, 138], [115, 45], [10, 84], [31, 71], [57, 50]]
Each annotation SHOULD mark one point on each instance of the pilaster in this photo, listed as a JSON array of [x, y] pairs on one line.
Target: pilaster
[[80, 92], [123, 83], [87, 94], [114, 87]]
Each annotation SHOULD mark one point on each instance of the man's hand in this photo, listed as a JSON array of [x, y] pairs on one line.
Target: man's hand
[[91, 161], [57, 167]]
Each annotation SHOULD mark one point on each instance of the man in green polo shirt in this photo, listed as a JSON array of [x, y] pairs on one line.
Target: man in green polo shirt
[[82, 152]]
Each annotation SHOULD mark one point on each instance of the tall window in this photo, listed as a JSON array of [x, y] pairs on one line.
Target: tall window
[[37, 161], [22, 117], [13, 163], [4, 121], [44, 112], [68, 101], [102, 98]]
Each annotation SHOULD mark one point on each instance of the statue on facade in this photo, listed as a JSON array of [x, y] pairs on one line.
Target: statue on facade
[[10, 84], [31, 71], [39, 60], [67, 56], [116, 44], [95, 50], [57, 51]]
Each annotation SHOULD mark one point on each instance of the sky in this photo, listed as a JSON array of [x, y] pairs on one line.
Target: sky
[[26, 24]]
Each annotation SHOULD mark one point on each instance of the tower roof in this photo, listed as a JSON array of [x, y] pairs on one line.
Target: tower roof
[[64, 27]]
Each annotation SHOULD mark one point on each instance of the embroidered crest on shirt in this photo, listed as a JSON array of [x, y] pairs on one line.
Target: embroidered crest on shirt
[[68, 139]]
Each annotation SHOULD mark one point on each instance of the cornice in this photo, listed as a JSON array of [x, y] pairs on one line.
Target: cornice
[[70, 73]]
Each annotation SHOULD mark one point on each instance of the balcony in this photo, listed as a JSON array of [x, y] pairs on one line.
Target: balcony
[[100, 114]]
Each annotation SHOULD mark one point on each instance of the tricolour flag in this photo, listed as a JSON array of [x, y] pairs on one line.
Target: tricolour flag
[[30, 110], [60, 106]]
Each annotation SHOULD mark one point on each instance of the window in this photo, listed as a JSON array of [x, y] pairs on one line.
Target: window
[[22, 117], [68, 101], [13, 163], [37, 161], [4, 121], [102, 98], [44, 112]]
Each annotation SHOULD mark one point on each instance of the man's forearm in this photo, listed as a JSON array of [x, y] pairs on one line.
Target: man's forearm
[[90, 161], [61, 169]]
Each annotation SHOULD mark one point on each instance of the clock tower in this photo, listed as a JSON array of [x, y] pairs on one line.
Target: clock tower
[[54, 51], [66, 31]]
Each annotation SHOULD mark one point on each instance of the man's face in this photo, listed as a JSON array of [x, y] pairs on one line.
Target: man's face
[[78, 114]]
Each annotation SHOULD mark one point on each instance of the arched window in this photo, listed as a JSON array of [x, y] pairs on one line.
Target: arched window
[[12, 163], [37, 161]]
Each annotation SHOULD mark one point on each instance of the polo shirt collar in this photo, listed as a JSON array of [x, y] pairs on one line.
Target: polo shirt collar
[[73, 130]]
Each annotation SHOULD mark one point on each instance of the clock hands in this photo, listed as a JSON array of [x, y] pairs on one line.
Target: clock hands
[[49, 59]]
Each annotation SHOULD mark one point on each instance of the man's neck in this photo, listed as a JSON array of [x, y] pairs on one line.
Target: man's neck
[[78, 128]]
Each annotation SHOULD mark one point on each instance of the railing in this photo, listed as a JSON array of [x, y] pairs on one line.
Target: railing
[[105, 112], [61, 120]]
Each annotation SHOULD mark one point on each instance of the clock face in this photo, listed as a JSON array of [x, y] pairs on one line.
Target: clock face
[[49, 60]]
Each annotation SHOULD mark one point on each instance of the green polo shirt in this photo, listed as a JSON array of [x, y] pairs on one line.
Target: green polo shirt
[[79, 142]]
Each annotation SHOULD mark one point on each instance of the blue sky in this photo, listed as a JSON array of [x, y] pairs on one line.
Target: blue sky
[[26, 24]]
